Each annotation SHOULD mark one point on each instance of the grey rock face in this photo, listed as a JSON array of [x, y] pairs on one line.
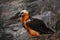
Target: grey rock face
[[11, 29]]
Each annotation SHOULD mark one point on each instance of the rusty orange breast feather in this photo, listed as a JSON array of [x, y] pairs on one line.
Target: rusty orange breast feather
[[31, 32]]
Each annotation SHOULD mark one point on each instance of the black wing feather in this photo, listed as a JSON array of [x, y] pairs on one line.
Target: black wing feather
[[38, 25]]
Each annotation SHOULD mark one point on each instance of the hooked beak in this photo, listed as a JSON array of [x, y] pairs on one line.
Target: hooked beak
[[16, 16]]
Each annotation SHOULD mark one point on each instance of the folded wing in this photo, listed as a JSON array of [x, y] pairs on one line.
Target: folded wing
[[38, 25]]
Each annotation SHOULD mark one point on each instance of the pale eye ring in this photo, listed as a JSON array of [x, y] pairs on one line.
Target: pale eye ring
[[21, 14]]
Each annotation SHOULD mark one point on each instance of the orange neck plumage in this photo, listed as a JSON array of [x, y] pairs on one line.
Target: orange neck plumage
[[24, 18], [29, 30]]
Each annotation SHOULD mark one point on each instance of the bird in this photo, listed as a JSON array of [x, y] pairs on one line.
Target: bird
[[34, 27]]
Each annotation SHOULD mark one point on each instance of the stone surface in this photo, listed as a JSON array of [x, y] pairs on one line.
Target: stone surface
[[11, 29]]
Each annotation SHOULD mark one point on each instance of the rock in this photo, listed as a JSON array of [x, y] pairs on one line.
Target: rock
[[11, 29]]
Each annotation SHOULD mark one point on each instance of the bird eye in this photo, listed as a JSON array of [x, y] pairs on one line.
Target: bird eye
[[22, 13]]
